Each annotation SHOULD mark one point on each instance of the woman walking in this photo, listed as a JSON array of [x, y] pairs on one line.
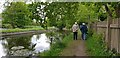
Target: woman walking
[[75, 28]]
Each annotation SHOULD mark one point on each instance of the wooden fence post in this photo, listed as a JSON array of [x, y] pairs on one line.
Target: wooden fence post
[[96, 27], [108, 32], [118, 35]]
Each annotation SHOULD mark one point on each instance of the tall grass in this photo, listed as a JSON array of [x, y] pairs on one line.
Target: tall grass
[[97, 47]]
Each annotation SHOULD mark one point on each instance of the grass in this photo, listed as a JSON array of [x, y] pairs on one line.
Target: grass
[[57, 48], [97, 47], [22, 30]]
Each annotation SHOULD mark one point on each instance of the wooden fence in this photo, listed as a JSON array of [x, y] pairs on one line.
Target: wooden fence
[[111, 32]]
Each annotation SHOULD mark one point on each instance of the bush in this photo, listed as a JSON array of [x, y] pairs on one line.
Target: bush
[[7, 26], [17, 14]]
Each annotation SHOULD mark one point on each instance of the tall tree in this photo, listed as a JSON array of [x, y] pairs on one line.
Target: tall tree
[[17, 14]]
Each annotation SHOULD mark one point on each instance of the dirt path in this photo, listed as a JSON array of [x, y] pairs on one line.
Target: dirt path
[[75, 48]]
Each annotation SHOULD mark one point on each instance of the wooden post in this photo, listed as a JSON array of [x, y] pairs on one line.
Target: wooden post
[[108, 32], [118, 15], [96, 27], [118, 36]]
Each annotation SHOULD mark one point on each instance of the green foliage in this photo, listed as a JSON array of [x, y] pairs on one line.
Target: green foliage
[[86, 13], [35, 13], [90, 11], [110, 8], [52, 33], [61, 14], [115, 9], [57, 47], [17, 14], [96, 46], [58, 14], [7, 26], [38, 13]]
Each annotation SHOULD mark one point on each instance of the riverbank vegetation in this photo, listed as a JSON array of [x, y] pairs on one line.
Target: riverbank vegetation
[[35, 28]]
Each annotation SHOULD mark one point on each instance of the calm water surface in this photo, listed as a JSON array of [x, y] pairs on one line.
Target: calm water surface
[[24, 44]]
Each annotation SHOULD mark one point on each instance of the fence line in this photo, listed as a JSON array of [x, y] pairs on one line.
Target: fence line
[[111, 31]]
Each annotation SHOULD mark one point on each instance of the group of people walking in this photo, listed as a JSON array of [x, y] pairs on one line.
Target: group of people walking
[[83, 28]]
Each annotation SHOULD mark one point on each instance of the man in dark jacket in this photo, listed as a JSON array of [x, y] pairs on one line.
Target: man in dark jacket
[[84, 30]]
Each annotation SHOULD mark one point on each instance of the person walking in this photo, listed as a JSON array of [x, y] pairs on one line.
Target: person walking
[[84, 30], [75, 28]]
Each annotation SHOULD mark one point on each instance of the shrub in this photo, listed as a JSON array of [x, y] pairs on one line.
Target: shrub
[[7, 26]]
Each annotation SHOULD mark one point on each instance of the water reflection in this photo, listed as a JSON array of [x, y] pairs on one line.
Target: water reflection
[[19, 41], [2, 50], [41, 42], [31, 43]]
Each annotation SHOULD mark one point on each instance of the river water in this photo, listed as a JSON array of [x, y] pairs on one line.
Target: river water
[[21, 45]]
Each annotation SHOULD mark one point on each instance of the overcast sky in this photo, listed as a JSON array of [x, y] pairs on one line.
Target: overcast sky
[[1, 5]]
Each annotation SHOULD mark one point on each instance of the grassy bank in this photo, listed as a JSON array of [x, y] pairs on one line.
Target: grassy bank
[[22, 30], [97, 47], [57, 48]]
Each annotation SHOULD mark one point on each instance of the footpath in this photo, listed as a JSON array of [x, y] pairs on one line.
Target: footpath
[[75, 48]]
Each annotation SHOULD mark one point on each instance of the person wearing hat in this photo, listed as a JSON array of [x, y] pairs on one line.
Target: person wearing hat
[[84, 30], [75, 28]]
